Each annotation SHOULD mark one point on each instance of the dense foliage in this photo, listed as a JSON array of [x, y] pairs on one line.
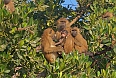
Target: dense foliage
[[20, 34]]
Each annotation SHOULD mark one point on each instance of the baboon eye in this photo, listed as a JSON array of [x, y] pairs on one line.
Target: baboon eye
[[63, 21], [73, 30]]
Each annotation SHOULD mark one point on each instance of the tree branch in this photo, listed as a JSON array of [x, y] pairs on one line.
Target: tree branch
[[27, 28]]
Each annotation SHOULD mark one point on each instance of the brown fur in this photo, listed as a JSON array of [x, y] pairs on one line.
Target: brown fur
[[9, 5], [69, 44], [63, 19], [107, 15], [61, 26], [6, 1], [61, 41], [64, 24], [80, 43], [113, 40], [48, 45]]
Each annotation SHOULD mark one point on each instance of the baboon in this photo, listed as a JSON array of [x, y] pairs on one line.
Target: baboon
[[69, 44], [64, 35], [64, 24], [80, 43], [49, 49], [61, 41], [6, 1], [107, 15], [9, 5]]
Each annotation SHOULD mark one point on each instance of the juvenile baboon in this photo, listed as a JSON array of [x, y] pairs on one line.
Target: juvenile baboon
[[49, 49], [61, 41], [64, 34], [80, 43], [9, 5]]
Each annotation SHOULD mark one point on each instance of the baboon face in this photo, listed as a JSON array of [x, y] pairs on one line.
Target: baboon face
[[50, 32], [9, 5], [64, 33], [75, 31], [6, 1], [62, 23]]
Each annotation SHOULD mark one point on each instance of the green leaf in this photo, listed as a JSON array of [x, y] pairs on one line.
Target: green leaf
[[21, 43], [19, 55], [13, 30], [114, 48], [87, 27], [33, 43], [98, 73], [24, 24], [7, 71], [105, 41], [60, 74], [2, 47], [114, 29], [114, 74], [90, 32], [103, 72], [83, 76], [62, 66]]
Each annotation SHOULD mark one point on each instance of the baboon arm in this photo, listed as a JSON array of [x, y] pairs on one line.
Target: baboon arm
[[77, 43], [53, 49], [82, 44], [80, 49], [60, 42], [74, 20], [58, 35]]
